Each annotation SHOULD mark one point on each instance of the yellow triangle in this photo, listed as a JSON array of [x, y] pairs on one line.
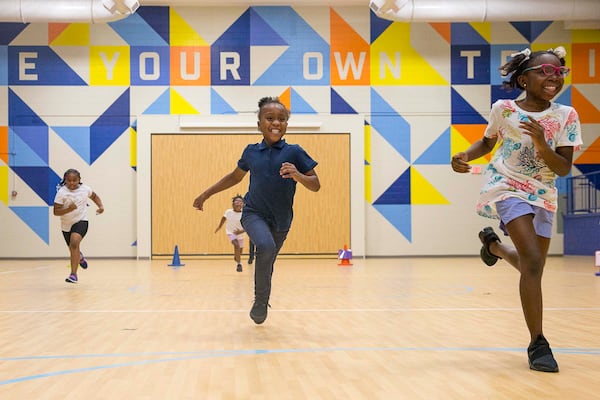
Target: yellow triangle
[[179, 105], [74, 35], [422, 192], [182, 34], [484, 29], [395, 62], [4, 185], [458, 143], [368, 170], [585, 36], [133, 147]]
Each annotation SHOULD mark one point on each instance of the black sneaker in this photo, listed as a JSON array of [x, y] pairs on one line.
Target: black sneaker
[[258, 313], [250, 260], [487, 236], [540, 356], [239, 268]]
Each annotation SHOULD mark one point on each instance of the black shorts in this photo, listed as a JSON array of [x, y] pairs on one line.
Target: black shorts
[[80, 227]]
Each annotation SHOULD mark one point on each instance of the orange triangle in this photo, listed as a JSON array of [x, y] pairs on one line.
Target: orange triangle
[[590, 155], [471, 132], [55, 29], [4, 144], [286, 98], [588, 113], [443, 29], [346, 43]]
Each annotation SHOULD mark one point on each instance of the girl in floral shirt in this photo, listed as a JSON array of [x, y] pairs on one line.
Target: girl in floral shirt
[[537, 139]]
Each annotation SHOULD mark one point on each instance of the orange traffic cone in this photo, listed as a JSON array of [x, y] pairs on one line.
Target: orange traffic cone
[[345, 256]]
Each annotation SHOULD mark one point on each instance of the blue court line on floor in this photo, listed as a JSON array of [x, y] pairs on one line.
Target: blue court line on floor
[[183, 356]]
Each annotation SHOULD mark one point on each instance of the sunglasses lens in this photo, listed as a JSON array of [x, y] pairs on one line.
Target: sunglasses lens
[[548, 69]]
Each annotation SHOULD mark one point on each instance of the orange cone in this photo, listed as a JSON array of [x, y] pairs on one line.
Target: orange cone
[[345, 256]]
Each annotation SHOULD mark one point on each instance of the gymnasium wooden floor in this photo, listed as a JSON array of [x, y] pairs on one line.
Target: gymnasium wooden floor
[[406, 328]]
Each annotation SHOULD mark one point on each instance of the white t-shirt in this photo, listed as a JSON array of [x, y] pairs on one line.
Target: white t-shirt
[[516, 169], [233, 221], [79, 196]]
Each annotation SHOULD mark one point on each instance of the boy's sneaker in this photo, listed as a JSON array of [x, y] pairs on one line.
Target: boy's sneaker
[[258, 313], [540, 356], [71, 278], [239, 268], [83, 262]]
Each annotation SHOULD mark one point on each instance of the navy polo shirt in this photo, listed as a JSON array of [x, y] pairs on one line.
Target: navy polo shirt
[[269, 195]]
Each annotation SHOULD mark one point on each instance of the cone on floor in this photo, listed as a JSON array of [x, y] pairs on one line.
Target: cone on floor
[[176, 262], [345, 256]]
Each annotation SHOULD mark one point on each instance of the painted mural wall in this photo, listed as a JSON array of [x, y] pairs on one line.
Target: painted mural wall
[[70, 95]]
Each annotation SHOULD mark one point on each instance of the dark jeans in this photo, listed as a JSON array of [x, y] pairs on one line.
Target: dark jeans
[[268, 242], [251, 251]]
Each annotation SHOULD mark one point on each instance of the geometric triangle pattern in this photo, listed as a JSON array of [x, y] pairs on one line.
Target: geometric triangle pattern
[[36, 218], [424, 90]]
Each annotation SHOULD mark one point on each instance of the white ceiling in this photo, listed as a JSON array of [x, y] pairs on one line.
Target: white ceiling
[[296, 3]]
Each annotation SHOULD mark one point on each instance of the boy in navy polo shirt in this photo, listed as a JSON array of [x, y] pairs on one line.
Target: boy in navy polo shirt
[[275, 167]]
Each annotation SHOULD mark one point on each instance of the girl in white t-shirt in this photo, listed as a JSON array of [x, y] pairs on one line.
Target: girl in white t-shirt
[[70, 204], [233, 228], [537, 138]]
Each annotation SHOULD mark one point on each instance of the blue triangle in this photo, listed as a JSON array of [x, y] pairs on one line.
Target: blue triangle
[[399, 216], [439, 151], [299, 105], [378, 26], [218, 105], [77, 137], [398, 192], [24, 155], [291, 68], [3, 66], [9, 31], [160, 106], [261, 33], [564, 97], [36, 137], [109, 126], [136, 31], [497, 92], [158, 18], [390, 125], [463, 113], [51, 71], [235, 39], [588, 168], [462, 33], [42, 180], [531, 30], [36, 218], [19, 113], [339, 105]]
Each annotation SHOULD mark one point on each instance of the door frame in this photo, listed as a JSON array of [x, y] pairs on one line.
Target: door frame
[[197, 124]]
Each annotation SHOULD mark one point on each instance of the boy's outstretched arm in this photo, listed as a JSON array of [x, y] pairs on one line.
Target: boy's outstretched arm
[[229, 180]]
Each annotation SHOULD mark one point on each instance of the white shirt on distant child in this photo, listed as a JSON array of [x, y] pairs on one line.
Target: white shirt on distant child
[[233, 223], [78, 196]]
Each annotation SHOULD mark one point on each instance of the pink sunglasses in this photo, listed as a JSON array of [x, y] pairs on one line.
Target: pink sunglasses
[[549, 70]]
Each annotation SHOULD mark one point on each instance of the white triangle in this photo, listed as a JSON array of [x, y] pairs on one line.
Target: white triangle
[[261, 58], [77, 58], [33, 35], [386, 164]]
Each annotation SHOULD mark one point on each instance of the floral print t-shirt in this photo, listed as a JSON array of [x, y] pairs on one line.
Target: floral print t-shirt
[[516, 169]]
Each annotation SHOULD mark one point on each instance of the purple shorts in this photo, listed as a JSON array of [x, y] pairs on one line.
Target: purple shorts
[[513, 207]]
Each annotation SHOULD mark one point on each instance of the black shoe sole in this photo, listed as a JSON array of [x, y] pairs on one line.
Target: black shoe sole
[[258, 319]]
